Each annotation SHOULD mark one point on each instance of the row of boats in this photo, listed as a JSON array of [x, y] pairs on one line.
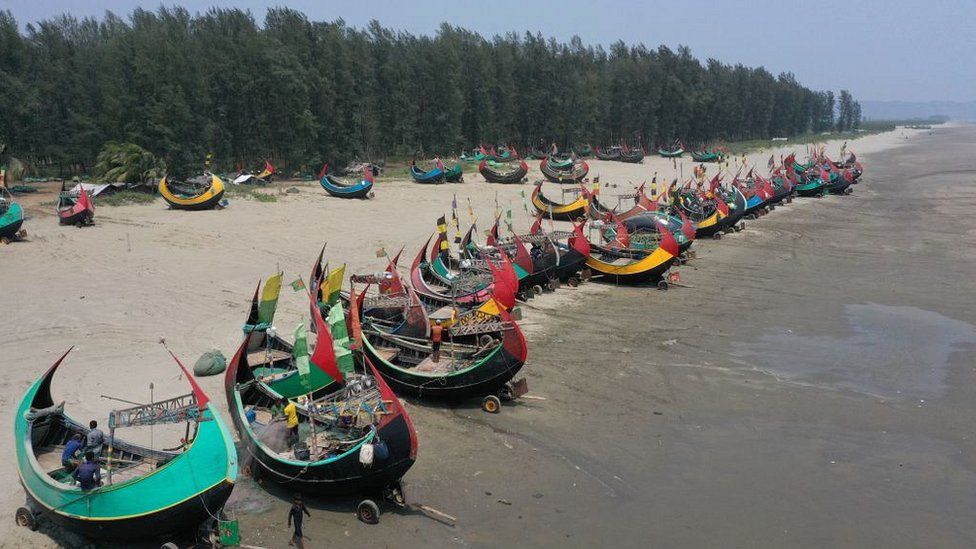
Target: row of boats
[[446, 330]]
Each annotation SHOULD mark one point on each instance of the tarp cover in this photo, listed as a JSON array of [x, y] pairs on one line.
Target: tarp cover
[[210, 363]]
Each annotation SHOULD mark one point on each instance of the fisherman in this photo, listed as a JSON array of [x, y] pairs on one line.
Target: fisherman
[[88, 474], [291, 415], [95, 439], [69, 460], [436, 335], [295, 517]]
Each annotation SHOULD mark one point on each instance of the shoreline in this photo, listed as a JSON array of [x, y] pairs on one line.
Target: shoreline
[[143, 267]]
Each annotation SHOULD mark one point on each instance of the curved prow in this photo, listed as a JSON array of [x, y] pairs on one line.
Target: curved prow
[[42, 397]]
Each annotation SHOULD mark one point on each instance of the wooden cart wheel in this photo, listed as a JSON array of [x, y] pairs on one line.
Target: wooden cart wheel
[[368, 511], [169, 545], [491, 404], [25, 517], [662, 285], [536, 290]]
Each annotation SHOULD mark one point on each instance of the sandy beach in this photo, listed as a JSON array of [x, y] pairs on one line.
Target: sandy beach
[[808, 389]]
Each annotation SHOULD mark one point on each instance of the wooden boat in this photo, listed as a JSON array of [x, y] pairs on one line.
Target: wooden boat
[[11, 216], [851, 163], [79, 211], [476, 155], [608, 153], [464, 370], [338, 189], [494, 173], [454, 174], [554, 210], [621, 264], [147, 492], [361, 411], [435, 175], [573, 172], [810, 182], [270, 357], [676, 150], [537, 154], [707, 156], [203, 200], [631, 156], [437, 286]]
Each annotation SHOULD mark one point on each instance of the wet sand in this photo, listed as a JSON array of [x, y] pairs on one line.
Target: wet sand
[[810, 389]]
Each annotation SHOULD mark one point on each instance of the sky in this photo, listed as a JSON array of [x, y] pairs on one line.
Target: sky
[[895, 50]]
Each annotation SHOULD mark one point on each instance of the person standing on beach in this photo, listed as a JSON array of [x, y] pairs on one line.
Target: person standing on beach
[[295, 517]]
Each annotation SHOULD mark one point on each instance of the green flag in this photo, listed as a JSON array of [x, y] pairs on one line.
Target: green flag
[[340, 338], [300, 352]]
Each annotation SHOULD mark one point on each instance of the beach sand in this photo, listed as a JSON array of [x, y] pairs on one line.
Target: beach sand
[[787, 398]]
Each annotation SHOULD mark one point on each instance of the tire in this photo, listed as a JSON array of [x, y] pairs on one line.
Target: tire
[[25, 518], [662, 285], [506, 393], [491, 404], [368, 512], [716, 236]]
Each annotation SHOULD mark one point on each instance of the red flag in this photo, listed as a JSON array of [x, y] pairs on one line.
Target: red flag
[[668, 243], [355, 328], [324, 170], [268, 167], [323, 357], [202, 398]]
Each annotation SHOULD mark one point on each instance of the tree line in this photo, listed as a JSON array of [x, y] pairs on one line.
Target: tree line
[[301, 92]]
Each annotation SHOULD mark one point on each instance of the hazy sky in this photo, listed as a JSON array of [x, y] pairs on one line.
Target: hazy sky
[[880, 50]]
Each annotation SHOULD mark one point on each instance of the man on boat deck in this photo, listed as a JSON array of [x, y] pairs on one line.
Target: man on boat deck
[[95, 439], [436, 334], [68, 459], [88, 474], [291, 415]]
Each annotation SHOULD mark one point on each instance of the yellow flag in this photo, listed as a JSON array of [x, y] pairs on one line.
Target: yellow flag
[[335, 284], [489, 307]]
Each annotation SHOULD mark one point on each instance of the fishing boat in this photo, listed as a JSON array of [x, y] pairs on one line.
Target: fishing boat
[[436, 175], [476, 155], [676, 150], [572, 171], [11, 217], [631, 156], [623, 265], [707, 156], [494, 172], [569, 211], [454, 174], [471, 287], [608, 153], [537, 154], [192, 197], [338, 189], [361, 416], [484, 369], [146, 492], [809, 182], [72, 210], [270, 357]]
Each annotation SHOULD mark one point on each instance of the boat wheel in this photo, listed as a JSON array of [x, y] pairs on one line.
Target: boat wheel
[[491, 404], [740, 226], [662, 285], [368, 511], [169, 545], [536, 290], [586, 274], [25, 517], [716, 236], [573, 282]]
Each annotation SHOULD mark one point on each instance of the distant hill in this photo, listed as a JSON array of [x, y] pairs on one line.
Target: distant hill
[[902, 110]]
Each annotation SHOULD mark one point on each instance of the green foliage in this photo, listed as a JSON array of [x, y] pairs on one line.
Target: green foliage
[[249, 192], [297, 91], [127, 163], [123, 198]]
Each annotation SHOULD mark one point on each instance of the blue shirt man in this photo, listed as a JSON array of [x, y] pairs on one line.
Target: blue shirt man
[[70, 449], [88, 474]]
